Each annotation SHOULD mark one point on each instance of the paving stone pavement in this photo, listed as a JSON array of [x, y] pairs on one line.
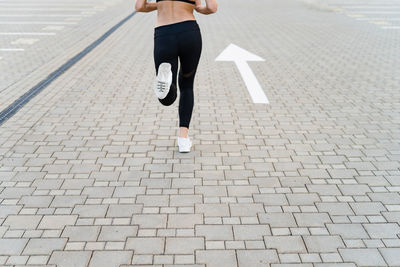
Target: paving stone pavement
[[73, 24], [90, 174]]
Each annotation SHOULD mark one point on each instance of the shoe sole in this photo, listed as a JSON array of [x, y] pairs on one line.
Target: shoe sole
[[164, 79]]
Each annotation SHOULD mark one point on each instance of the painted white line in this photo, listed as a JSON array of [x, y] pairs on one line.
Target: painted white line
[[382, 3], [72, 19], [384, 18], [43, 15], [47, 9], [53, 28], [391, 27], [379, 22], [372, 7], [34, 4], [27, 33], [378, 12], [38, 22], [11, 49], [25, 41], [240, 57]]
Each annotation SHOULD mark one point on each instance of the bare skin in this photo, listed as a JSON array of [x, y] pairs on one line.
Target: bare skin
[[169, 12]]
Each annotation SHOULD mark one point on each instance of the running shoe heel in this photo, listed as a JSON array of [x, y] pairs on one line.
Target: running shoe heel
[[184, 144]]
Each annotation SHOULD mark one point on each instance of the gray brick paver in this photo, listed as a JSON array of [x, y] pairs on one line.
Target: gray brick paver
[[44, 245], [363, 256], [110, 258], [70, 258]]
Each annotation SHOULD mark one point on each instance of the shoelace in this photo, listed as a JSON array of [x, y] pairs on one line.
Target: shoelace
[[161, 86]]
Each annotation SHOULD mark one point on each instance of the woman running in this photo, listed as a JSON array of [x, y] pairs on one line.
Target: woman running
[[177, 36]]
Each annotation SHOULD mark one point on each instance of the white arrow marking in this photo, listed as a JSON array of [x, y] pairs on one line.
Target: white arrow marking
[[240, 57]]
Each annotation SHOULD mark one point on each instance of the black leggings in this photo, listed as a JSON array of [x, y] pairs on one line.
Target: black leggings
[[179, 40]]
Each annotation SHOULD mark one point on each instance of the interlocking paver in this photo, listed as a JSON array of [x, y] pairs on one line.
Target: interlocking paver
[[271, 199], [44, 245], [363, 256], [391, 255], [285, 244], [90, 211], [303, 198], [311, 219], [81, 233], [335, 208], [67, 201], [245, 209], [212, 209], [215, 232], [57, 221], [250, 232], [150, 220], [146, 245], [70, 258], [367, 208], [117, 233], [110, 258], [347, 230], [215, 258], [22, 221], [184, 220], [379, 230], [322, 244], [12, 246], [278, 219], [183, 245]]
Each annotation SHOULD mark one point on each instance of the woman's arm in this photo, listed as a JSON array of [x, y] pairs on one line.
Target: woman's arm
[[143, 6], [210, 7]]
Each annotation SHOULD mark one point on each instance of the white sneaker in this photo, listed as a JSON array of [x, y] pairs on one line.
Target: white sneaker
[[163, 80], [184, 144]]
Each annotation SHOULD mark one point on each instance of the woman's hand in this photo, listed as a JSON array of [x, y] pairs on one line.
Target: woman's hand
[[143, 6], [201, 9], [210, 7]]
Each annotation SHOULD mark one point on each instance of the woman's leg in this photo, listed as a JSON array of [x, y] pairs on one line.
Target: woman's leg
[[165, 51], [190, 45]]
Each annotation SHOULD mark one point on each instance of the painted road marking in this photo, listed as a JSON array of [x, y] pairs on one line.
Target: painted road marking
[[48, 4], [380, 22], [391, 27], [88, 12], [38, 22], [53, 28], [25, 41], [25, 98], [12, 49], [390, 19], [42, 15], [73, 19], [354, 15], [46, 9], [240, 57], [372, 7], [378, 12], [27, 33]]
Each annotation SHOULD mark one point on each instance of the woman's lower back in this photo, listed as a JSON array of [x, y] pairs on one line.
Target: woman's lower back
[[169, 12]]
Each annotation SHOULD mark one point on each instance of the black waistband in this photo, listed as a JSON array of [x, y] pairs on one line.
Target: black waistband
[[183, 26], [186, 1]]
